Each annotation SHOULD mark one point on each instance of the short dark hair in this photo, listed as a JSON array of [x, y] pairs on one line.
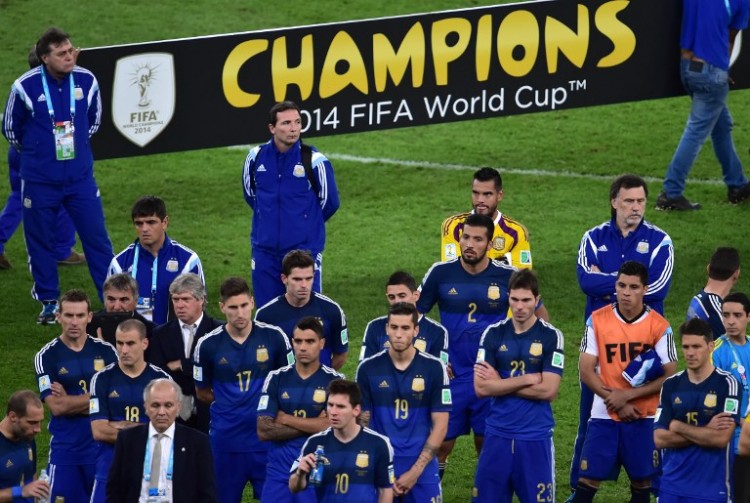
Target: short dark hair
[[147, 206], [739, 298], [404, 308], [477, 220], [53, 36], [724, 262], [123, 282], [344, 387], [626, 181], [524, 279], [33, 59], [489, 175], [233, 286], [132, 324], [402, 278], [282, 106], [697, 326], [296, 259], [19, 402], [310, 323], [633, 268], [75, 295]]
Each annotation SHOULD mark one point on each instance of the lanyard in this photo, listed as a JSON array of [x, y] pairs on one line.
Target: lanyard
[[154, 269], [740, 368], [147, 462], [48, 99], [729, 9]]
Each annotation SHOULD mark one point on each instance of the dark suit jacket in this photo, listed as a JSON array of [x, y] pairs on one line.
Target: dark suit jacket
[[194, 480], [167, 345]]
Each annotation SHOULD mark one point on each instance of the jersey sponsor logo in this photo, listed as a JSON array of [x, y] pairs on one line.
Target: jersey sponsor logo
[[143, 96], [417, 384], [223, 361], [299, 171], [261, 169], [420, 344], [525, 257], [363, 460], [44, 383], [731, 405], [319, 396], [9, 464], [261, 354], [94, 406], [503, 348], [624, 351], [172, 265], [480, 355], [383, 384], [345, 336], [285, 396], [114, 394], [41, 98], [602, 248], [558, 360], [452, 291], [498, 243], [450, 251], [446, 397], [98, 364], [386, 344], [197, 373], [710, 400], [263, 402], [677, 400], [62, 371], [493, 292], [535, 349]]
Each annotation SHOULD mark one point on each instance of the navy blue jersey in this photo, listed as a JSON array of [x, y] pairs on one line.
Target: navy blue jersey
[[355, 469], [707, 306], [539, 349], [432, 338], [468, 304], [282, 314], [284, 390], [72, 442], [17, 464], [694, 471], [116, 396], [236, 372], [172, 260], [401, 401]]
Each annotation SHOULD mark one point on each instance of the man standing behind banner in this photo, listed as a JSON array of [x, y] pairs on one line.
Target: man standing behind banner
[[51, 114], [292, 192]]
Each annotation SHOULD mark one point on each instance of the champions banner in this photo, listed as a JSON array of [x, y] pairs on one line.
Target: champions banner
[[393, 72]]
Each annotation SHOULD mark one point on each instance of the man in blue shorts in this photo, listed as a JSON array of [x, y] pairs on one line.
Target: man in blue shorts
[[431, 338], [293, 407], [472, 293], [117, 397], [64, 368], [406, 397], [697, 416], [519, 364], [230, 365], [357, 462], [22, 422], [723, 273]]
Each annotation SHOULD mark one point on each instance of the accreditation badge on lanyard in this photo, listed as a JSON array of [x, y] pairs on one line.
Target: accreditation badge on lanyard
[[65, 142]]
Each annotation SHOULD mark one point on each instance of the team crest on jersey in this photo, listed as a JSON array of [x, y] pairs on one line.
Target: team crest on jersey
[[98, 364], [261, 354], [710, 400], [493, 292], [417, 384], [299, 171], [642, 247], [319, 396], [584, 465], [172, 265], [474, 492], [420, 344], [535, 349], [363, 460], [498, 243], [78, 93], [731, 405]]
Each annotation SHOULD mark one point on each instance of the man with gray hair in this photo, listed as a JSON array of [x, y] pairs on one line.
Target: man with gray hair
[[173, 343], [120, 295], [162, 461]]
